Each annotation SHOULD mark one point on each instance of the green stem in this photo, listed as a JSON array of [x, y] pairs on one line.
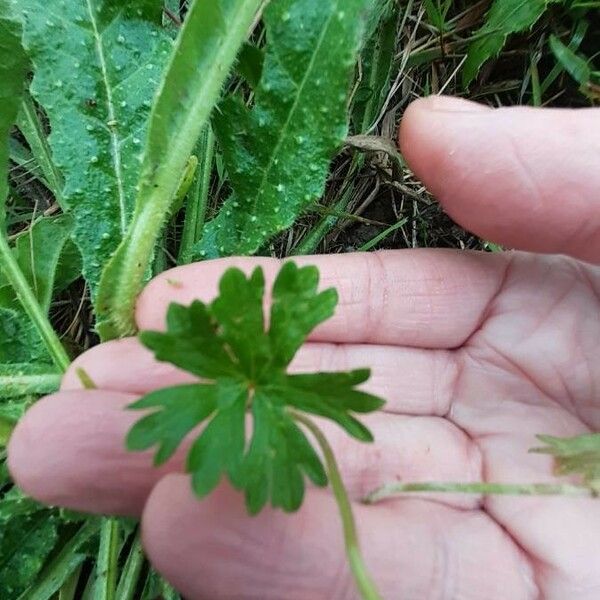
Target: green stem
[[106, 565], [363, 580], [499, 489], [195, 212], [30, 304]]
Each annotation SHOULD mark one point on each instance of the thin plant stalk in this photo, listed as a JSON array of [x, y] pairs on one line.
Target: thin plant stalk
[[498, 489], [27, 298], [359, 570]]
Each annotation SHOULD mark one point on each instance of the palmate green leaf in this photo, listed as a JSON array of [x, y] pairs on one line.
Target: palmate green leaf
[[244, 370], [504, 18], [203, 56], [278, 153], [97, 65], [575, 456]]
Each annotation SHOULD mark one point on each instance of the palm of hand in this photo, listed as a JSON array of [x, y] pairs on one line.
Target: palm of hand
[[475, 353]]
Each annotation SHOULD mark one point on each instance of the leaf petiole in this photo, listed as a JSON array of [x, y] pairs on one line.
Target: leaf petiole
[[360, 572]]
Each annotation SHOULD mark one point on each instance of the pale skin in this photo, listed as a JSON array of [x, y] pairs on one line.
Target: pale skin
[[475, 353]]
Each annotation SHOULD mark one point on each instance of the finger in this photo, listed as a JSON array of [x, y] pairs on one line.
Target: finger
[[523, 177], [69, 450], [427, 298], [414, 549], [411, 380], [123, 366]]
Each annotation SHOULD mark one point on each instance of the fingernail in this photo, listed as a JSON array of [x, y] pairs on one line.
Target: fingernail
[[453, 104]]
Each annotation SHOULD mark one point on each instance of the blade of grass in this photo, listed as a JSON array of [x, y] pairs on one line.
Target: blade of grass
[[130, 575], [195, 212], [30, 126], [15, 276], [312, 240], [574, 44], [378, 238]]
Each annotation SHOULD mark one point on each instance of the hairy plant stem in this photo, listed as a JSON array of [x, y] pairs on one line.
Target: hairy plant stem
[[123, 277], [362, 577], [27, 298], [498, 489]]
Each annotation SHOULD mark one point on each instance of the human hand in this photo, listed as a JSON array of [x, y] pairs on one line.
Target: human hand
[[475, 353]]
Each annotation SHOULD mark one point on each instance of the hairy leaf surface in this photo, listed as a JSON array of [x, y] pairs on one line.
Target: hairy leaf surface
[[97, 65], [244, 370], [277, 153], [504, 18]]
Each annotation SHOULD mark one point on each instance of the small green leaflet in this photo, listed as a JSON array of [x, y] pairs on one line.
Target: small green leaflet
[[575, 456], [278, 153], [243, 370], [97, 64], [504, 18]]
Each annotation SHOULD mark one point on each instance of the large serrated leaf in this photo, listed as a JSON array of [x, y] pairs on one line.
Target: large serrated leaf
[[13, 65], [504, 18], [278, 153], [202, 58], [97, 65]]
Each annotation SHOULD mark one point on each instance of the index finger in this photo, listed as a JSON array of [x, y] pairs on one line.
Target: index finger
[[420, 298]]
